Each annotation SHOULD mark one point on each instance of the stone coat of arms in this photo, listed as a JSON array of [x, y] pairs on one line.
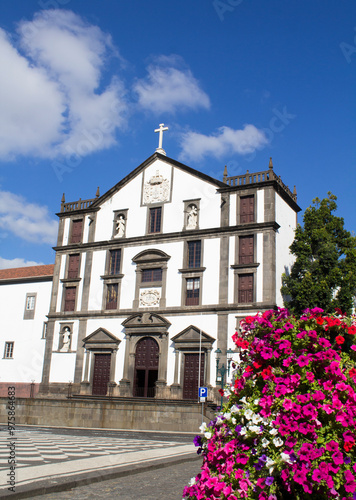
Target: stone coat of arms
[[156, 190]]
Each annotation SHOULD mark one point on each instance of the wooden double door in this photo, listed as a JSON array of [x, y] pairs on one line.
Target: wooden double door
[[191, 381], [146, 368]]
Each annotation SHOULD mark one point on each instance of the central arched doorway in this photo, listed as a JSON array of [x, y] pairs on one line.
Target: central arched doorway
[[146, 368]]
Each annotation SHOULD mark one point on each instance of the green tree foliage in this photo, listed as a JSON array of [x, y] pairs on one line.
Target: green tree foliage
[[324, 272]]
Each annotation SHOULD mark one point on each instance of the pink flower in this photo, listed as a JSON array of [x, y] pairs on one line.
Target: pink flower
[[303, 361], [310, 412], [310, 376], [318, 396], [287, 405], [332, 446], [338, 457]]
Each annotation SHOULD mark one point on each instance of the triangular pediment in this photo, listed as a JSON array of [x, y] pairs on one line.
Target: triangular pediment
[[192, 335], [146, 319], [101, 336], [150, 161]]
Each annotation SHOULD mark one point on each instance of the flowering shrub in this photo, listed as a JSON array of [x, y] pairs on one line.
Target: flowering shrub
[[288, 430]]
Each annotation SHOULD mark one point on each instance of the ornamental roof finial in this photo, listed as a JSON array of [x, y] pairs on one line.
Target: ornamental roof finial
[[225, 175], [161, 129], [270, 165]]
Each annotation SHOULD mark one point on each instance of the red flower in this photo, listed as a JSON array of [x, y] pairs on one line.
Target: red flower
[[267, 372], [339, 340], [221, 392], [351, 330], [352, 372], [348, 445], [257, 365], [320, 320]]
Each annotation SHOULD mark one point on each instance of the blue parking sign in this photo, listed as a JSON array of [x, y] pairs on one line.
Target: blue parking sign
[[203, 392]]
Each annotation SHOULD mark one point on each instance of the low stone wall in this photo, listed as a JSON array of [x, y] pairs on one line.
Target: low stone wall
[[137, 415]]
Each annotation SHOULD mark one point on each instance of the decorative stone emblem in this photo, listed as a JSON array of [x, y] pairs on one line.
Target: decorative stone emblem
[[149, 298], [156, 190]]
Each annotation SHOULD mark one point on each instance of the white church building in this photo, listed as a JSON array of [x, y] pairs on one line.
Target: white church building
[[151, 279]]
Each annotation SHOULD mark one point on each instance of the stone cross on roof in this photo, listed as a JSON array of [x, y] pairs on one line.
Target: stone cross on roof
[[161, 129]]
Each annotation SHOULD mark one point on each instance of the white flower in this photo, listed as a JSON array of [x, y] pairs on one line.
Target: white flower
[[256, 401], [265, 442], [255, 428], [219, 420], [269, 462], [273, 432], [234, 409], [256, 419], [243, 400], [203, 427], [227, 416], [243, 431], [286, 458], [277, 442], [192, 481], [249, 414], [207, 435], [233, 420]]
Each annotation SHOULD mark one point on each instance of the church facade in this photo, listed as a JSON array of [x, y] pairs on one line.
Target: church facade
[[151, 279]]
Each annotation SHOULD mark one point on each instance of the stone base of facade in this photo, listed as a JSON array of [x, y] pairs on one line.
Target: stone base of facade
[[159, 415]]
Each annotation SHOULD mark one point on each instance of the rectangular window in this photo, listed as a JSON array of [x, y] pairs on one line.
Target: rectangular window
[[9, 350], [150, 275], [245, 289], [30, 303], [115, 262], [155, 220], [193, 287], [111, 296], [44, 329], [73, 266], [246, 253], [247, 209], [69, 298], [194, 254], [77, 229]]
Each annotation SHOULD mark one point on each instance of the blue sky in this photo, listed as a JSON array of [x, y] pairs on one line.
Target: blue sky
[[83, 85]]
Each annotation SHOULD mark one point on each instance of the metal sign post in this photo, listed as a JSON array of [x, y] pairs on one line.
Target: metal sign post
[[203, 394]]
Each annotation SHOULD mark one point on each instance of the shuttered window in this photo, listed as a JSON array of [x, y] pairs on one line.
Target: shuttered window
[[246, 250], [150, 275], [69, 298], [77, 229], [245, 295], [247, 209], [73, 266]]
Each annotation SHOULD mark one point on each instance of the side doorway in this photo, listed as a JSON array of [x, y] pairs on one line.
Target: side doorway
[[191, 381]]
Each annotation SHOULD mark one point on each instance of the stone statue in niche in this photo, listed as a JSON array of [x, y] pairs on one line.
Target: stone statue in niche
[[65, 340], [120, 227], [192, 219]]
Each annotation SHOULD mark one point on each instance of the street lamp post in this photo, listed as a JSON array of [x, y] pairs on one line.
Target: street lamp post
[[222, 370]]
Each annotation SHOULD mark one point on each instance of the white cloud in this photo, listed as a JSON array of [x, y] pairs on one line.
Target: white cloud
[[196, 146], [169, 87], [10, 263], [51, 97], [29, 221]]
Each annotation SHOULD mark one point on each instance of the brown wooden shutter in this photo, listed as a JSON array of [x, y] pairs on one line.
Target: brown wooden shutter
[[69, 298], [245, 288], [246, 250], [77, 229], [73, 266], [247, 209]]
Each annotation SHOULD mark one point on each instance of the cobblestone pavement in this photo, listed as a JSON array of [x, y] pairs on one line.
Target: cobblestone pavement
[[158, 484]]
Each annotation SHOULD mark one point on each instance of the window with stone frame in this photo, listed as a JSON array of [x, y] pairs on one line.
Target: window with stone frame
[[9, 350], [246, 249], [112, 292], [76, 231], [194, 254], [155, 220], [245, 290], [30, 306], [70, 293], [192, 291], [114, 261], [247, 209], [151, 275], [73, 266]]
